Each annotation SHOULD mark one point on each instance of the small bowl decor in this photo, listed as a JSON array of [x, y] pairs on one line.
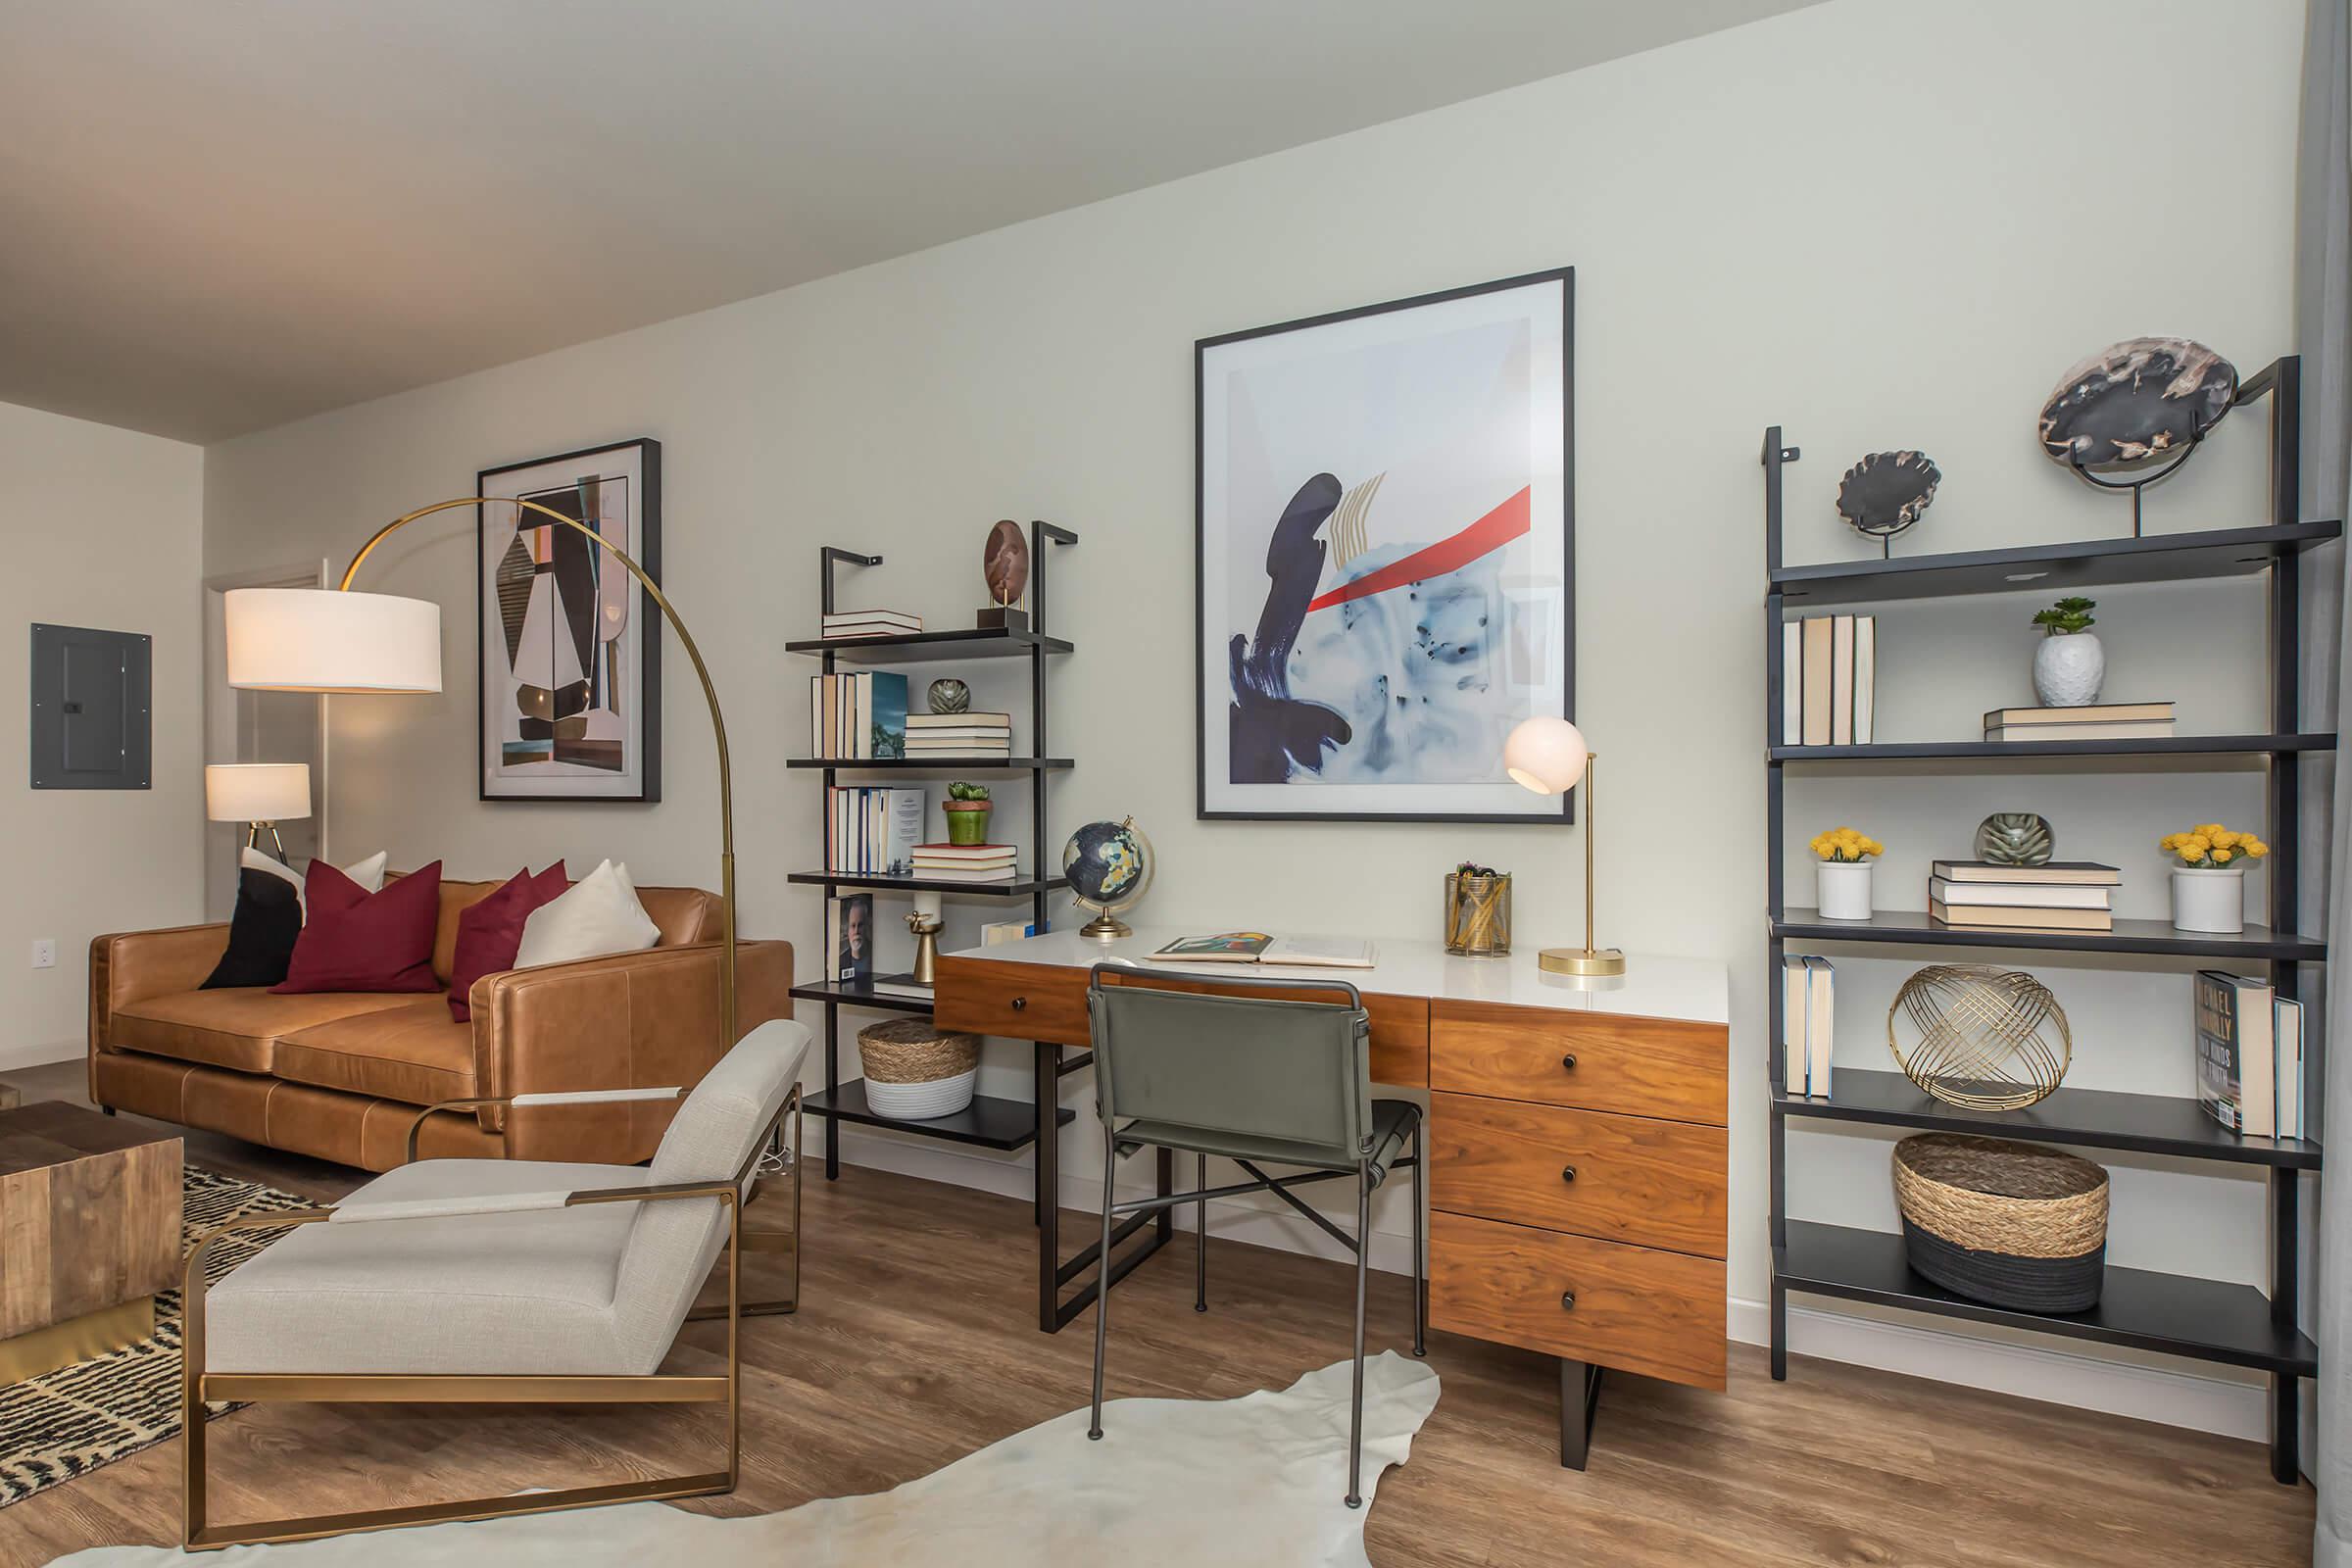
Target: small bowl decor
[[916, 1071], [948, 695], [1477, 911], [2015, 838], [1843, 877], [2016, 1225], [2209, 876], [1985, 1037]]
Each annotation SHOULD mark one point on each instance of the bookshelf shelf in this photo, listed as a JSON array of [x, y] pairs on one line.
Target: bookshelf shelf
[[863, 994], [934, 765], [1020, 888], [929, 647], [2178, 1315], [988, 1121]]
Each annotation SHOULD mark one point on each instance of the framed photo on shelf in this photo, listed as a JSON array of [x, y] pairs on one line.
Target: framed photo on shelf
[[570, 672], [1384, 573]]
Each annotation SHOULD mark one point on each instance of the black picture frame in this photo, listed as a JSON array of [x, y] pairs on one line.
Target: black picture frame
[[646, 551], [1565, 278]]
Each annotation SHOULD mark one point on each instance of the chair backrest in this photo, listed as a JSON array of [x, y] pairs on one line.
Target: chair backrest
[[718, 1127], [1235, 1061]]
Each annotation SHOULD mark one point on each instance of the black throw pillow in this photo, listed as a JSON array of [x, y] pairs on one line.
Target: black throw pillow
[[261, 932]]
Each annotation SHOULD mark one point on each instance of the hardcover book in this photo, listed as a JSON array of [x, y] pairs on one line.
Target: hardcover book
[[1259, 947], [2024, 916], [2071, 872], [886, 735], [849, 937], [2236, 1073]]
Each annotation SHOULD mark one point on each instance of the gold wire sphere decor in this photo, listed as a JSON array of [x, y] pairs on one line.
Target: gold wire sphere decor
[[1987, 1038]]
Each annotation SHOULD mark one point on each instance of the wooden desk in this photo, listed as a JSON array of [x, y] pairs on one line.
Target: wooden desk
[[1577, 1140]]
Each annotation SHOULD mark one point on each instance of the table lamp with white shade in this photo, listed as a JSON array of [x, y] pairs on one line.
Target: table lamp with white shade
[[1547, 755], [260, 795]]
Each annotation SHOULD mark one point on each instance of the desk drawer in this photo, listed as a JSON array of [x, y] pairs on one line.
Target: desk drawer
[[1019, 1001], [1639, 1066], [1620, 1178], [1660, 1314], [1399, 1024]]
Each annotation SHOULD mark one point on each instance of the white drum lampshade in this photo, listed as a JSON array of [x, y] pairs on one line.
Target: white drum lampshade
[[331, 640], [1545, 755], [257, 792]]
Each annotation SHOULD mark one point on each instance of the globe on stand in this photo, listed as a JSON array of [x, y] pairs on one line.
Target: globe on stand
[[1109, 866]]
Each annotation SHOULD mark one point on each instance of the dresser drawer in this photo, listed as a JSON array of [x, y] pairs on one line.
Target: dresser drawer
[[1660, 1314], [1641, 1067], [1620, 1178]]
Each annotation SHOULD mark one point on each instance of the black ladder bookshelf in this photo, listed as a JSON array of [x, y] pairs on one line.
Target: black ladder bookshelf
[[2199, 1319], [990, 1122]]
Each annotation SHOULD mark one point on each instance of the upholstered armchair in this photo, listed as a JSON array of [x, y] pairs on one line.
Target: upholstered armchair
[[502, 1281]]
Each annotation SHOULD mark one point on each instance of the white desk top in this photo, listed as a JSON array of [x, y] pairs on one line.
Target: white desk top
[[1693, 989]]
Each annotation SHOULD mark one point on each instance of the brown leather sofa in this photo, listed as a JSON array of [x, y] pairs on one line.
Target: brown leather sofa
[[341, 1076]]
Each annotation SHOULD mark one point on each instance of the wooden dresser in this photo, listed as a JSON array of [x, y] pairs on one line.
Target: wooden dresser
[[1577, 1143]]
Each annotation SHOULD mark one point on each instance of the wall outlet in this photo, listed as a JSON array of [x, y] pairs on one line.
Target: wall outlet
[[45, 952]]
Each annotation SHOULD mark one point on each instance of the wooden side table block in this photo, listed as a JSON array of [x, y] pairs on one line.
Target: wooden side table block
[[89, 1216], [10, 1095]]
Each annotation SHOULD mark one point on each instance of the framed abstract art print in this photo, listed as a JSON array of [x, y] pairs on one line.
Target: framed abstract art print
[[570, 650], [1385, 547]]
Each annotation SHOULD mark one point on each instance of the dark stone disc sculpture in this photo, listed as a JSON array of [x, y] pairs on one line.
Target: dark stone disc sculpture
[[1886, 492], [2136, 403]]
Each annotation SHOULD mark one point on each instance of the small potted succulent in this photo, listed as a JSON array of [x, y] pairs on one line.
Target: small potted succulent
[[1843, 883], [2209, 876], [2070, 664], [968, 808]]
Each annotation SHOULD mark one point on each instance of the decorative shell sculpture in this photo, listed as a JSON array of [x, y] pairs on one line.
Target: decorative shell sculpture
[[2136, 403], [1981, 1037], [2015, 838], [1884, 493], [948, 695]]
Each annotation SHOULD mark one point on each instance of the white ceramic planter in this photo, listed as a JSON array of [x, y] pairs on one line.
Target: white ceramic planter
[[1842, 890], [923, 1101], [2209, 900], [2068, 669]]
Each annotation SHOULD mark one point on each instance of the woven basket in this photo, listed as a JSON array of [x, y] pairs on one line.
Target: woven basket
[[2009, 1224], [916, 1071]]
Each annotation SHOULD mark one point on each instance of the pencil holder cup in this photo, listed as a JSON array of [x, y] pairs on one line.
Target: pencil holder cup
[[1478, 915]]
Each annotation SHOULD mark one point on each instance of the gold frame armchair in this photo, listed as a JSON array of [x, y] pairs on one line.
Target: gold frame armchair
[[330, 1315]]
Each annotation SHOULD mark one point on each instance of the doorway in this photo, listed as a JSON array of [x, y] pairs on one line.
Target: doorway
[[258, 727]]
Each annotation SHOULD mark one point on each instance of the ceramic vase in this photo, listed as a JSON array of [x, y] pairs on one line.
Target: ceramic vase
[[1843, 889], [2212, 900], [2067, 669]]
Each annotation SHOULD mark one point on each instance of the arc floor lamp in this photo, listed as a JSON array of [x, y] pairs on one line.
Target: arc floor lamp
[[335, 640]]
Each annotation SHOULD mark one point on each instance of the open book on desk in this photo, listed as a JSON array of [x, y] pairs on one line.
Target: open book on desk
[[1259, 947]]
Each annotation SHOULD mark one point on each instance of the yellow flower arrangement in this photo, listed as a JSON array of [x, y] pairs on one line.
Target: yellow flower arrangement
[[1845, 844], [2210, 845]]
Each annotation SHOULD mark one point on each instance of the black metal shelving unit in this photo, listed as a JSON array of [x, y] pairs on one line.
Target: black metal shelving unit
[[990, 1122], [2204, 1320]]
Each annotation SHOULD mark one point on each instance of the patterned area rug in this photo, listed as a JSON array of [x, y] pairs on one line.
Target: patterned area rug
[[79, 1418]]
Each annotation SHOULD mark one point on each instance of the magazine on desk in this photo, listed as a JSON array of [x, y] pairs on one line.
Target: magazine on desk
[[1259, 947]]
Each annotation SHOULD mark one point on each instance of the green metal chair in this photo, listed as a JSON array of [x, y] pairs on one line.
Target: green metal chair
[[1249, 1078]]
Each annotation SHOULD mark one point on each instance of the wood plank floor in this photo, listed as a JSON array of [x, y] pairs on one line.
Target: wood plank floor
[[917, 1345]]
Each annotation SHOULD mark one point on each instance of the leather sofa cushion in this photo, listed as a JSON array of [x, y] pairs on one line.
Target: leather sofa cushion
[[412, 1053], [240, 1027]]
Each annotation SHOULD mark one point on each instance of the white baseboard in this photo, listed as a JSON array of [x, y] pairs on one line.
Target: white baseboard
[[2145, 1393]]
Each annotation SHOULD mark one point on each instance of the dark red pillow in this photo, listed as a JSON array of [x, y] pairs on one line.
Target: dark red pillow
[[355, 939], [490, 932]]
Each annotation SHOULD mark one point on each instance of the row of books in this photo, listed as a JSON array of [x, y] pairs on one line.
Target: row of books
[[959, 734], [857, 716], [871, 830], [2249, 1056], [2055, 895], [844, 625], [2099, 721], [1829, 680], [966, 863], [1808, 1025]]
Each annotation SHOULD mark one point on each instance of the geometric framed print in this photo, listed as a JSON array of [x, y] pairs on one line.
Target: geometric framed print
[[569, 672], [1384, 555]]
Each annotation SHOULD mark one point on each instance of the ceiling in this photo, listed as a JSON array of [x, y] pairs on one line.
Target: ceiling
[[223, 216]]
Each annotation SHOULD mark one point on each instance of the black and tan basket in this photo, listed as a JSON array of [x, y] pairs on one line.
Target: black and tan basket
[[915, 1070], [2015, 1225]]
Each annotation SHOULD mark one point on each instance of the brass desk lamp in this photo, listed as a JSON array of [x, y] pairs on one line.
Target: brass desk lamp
[[1549, 755]]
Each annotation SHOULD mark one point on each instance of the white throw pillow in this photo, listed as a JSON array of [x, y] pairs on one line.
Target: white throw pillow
[[597, 914]]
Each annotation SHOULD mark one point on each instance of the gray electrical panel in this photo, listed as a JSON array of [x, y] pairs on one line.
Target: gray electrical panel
[[92, 694]]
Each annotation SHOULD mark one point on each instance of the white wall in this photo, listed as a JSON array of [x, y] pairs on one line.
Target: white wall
[[1879, 224], [101, 527]]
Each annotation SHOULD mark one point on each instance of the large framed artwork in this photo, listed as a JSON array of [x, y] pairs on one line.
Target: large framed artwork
[[1385, 544], [570, 650]]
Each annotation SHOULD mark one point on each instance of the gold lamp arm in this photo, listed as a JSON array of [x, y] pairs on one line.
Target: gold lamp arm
[[702, 672]]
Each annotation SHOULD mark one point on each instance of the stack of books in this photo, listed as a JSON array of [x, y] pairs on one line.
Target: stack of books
[[2249, 1056], [841, 626], [2101, 721], [870, 831], [2057, 895], [857, 716], [959, 734], [1829, 680], [965, 863], [1808, 1025]]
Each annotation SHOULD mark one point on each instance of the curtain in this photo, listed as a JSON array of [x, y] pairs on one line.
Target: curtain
[[2324, 338]]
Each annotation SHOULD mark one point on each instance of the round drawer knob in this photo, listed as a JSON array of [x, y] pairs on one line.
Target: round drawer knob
[[1567, 1300], [1567, 1173], [1568, 1063], [1020, 1004]]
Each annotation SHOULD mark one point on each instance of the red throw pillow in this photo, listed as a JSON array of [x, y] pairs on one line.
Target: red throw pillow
[[490, 932], [359, 941]]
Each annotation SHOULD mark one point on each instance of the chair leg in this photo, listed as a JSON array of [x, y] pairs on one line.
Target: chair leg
[[1420, 1269], [1200, 1235], [1355, 1407], [1111, 1171]]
